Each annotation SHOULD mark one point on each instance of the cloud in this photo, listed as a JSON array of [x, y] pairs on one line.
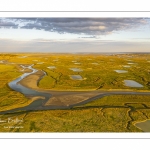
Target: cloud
[[43, 45], [7, 24], [83, 26], [89, 37]]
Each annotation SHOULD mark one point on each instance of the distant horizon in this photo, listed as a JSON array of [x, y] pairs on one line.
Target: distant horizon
[[74, 35], [75, 53]]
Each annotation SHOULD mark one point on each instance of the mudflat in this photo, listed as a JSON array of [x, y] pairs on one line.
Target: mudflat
[[32, 80]]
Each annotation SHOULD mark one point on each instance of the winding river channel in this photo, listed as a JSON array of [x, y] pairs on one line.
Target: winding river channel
[[68, 99]]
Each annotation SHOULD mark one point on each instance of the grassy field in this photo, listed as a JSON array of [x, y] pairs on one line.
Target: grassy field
[[10, 99], [96, 76], [116, 113], [98, 70]]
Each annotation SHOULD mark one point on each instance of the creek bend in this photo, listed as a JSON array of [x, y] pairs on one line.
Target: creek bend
[[50, 99]]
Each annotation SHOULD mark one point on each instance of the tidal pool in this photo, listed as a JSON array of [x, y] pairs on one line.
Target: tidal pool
[[126, 66], [76, 69], [132, 83], [144, 126], [51, 67], [76, 77], [121, 71]]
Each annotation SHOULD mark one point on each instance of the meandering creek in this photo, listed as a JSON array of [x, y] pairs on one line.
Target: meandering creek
[[29, 92], [43, 96]]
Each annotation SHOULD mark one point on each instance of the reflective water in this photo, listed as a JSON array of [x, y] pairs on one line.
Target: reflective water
[[29, 92], [126, 66], [144, 126], [132, 83], [76, 77], [121, 71], [51, 67], [76, 69]]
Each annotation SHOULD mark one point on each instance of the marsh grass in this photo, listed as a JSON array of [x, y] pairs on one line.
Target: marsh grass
[[100, 76], [108, 114], [116, 113], [10, 99]]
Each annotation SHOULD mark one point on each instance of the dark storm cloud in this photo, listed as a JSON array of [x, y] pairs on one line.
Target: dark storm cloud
[[87, 26], [7, 24]]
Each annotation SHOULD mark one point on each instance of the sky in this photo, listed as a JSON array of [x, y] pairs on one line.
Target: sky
[[73, 35]]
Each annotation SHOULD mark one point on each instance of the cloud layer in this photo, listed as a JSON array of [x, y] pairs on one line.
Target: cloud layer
[[42, 45], [83, 26]]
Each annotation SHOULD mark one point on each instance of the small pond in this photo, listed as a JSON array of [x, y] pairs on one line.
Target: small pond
[[76, 69], [76, 77], [126, 66], [121, 71], [51, 67], [132, 83], [144, 125]]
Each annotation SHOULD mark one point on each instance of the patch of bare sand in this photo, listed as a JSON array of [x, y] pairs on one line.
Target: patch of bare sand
[[66, 100], [31, 81], [58, 98], [26, 70], [37, 97]]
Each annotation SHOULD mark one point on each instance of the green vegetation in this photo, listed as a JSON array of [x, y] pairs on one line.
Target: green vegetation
[[96, 76], [117, 113], [10, 99]]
